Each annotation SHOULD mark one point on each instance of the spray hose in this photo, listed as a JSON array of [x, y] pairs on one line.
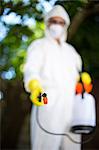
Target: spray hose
[[60, 134]]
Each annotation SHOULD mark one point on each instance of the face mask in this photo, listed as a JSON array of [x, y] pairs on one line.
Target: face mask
[[56, 30]]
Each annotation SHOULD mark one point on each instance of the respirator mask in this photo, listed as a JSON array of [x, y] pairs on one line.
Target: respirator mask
[[56, 30]]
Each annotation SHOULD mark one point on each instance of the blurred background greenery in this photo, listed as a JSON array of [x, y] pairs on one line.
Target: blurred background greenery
[[21, 22]]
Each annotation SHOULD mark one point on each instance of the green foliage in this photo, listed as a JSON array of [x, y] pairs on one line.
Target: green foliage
[[13, 47]]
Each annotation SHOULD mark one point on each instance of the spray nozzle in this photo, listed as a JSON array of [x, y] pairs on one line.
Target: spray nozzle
[[39, 100]]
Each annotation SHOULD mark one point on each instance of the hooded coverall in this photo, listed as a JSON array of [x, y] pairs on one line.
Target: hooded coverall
[[56, 67]]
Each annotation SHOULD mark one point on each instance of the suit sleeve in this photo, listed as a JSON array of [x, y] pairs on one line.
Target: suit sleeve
[[79, 62], [78, 59], [33, 63]]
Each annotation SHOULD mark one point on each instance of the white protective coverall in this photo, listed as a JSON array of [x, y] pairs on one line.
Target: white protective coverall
[[56, 67]]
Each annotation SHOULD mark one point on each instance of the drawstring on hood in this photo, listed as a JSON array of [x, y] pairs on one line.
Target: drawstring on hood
[[57, 11]]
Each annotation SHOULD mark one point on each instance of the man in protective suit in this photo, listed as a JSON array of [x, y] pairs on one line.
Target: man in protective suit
[[53, 66]]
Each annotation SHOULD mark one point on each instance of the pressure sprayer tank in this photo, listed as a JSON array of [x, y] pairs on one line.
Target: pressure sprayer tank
[[84, 114]]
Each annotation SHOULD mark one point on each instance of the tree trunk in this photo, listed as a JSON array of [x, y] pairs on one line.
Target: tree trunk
[[14, 108], [80, 17]]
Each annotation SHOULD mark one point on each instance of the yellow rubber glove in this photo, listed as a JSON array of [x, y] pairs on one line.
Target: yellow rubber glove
[[35, 89], [86, 78], [35, 85]]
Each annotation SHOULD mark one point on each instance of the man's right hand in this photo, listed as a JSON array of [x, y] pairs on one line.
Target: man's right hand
[[35, 89]]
